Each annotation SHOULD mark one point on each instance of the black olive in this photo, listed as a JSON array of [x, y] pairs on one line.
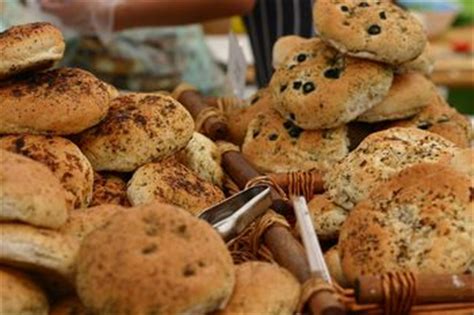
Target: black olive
[[383, 16], [301, 57], [425, 125], [344, 8], [287, 124], [297, 85], [283, 88], [333, 73], [308, 87], [295, 132], [255, 100], [273, 137], [374, 29], [292, 116], [363, 5], [255, 133]]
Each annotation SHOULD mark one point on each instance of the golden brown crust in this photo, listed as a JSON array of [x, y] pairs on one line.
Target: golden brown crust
[[171, 182], [372, 29], [139, 128], [328, 89], [424, 64], [63, 158], [334, 265], [263, 288], [275, 145], [408, 95], [285, 46], [20, 295], [168, 262], [60, 102], [327, 217], [68, 306], [109, 189], [28, 47], [380, 156], [420, 220], [30, 193]]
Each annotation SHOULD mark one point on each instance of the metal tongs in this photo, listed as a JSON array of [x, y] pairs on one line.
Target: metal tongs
[[234, 214]]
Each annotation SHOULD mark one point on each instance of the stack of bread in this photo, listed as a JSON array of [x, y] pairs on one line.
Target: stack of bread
[[99, 197], [357, 104]]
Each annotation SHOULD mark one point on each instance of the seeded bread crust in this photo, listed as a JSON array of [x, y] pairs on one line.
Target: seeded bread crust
[[371, 29], [28, 47], [263, 288], [421, 220], [292, 50], [139, 128], [168, 262], [171, 182], [327, 217], [109, 189], [424, 64], [409, 94], [57, 102], [276, 145], [328, 89], [63, 158], [283, 47], [30, 193], [380, 156], [20, 295]]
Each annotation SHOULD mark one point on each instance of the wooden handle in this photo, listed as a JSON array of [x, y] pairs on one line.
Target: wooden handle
[[213, 127], [429, 289], [282, 180]]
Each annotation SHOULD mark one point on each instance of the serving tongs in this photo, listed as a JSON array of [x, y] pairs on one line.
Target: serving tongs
[[231, 216]]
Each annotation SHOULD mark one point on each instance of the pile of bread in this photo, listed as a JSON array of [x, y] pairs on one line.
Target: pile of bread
[[357, 104], [100, 191]]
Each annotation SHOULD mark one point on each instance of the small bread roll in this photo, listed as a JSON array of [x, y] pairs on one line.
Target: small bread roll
[[57, 102], [283, 46], [139, 128], [63, 158], [263, 288], [109, 189], [30, 193], [19, 295], [167, 262], [29, 47], [327, 217], [334, 265], [173, 183]]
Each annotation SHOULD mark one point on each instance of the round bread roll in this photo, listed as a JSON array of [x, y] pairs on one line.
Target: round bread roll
[[420, 220], [42, 251], [81, 223], [240, 118], [463, 161], [171, 182], [438, 117], [408, 95], [109, 189], [380, 156], [168, 262], [30, 193], [69, 306], [370, 29], [202, 156], [275, 145], [19, 295], [63, 158], [29, 47], [302, 52], [283, 47], [334, 265], [139, 128], [424, 64], [327, 217], [329, 89], [57, 102], [263, 288]]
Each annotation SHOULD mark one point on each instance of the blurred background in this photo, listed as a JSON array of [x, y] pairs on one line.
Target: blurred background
[[158, 58]]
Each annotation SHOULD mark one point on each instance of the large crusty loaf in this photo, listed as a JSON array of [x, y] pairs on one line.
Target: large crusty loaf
[[263, 288], [109, 189], [408, 95], [139, 128], [30, 193], [63, 158], [43, 251], [372, 29], [29, 47], [19, 295], [421, 220], [274, 144], [380, 156], [202, 156], [328, 89], [167, 262], [60, 102], [173, 183]]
